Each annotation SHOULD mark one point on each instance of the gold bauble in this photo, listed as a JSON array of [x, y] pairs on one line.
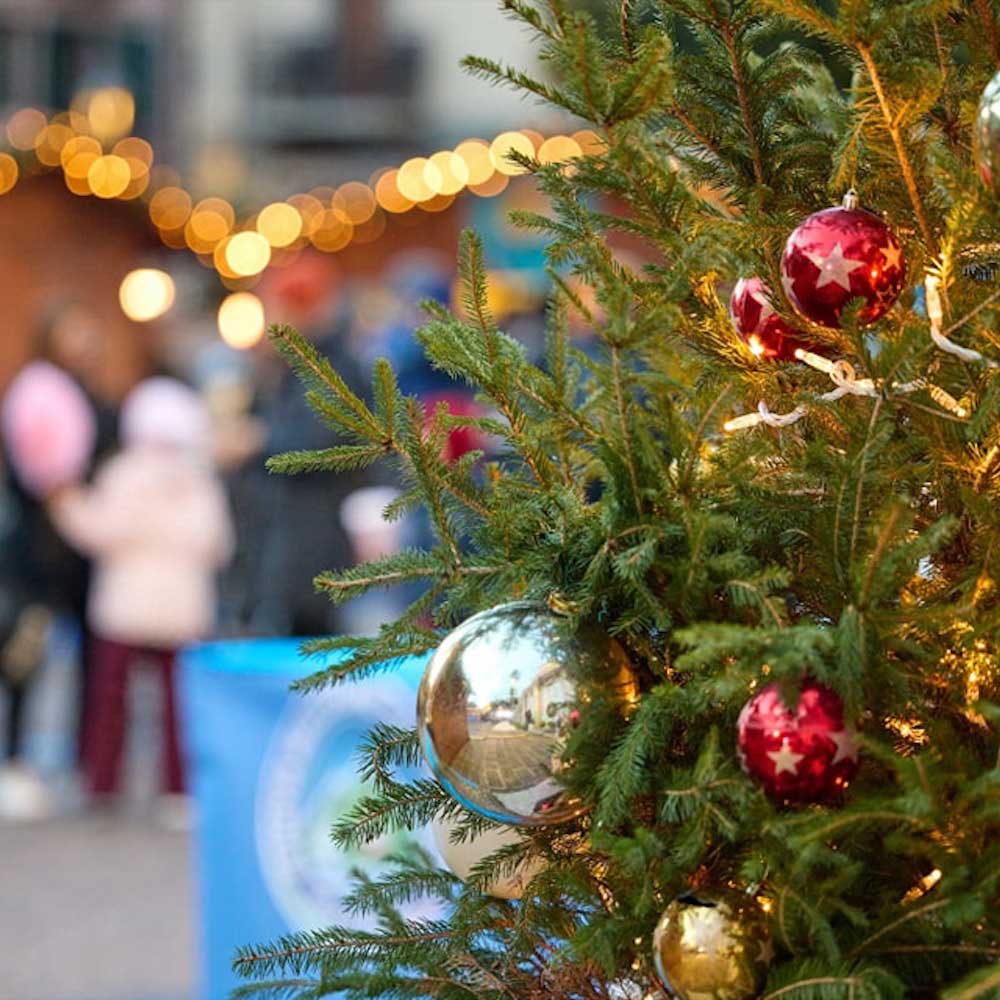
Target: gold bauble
[[713, 946]]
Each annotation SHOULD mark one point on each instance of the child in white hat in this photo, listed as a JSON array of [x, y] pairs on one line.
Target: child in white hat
[[157, 525]]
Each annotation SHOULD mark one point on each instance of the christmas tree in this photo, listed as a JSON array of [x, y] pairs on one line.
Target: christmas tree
[[753, 536]]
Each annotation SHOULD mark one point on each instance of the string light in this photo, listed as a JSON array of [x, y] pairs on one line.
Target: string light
[[24, 128], [241, 320], [146, 294], [280, 224], [846, 382], [91, 144], [506, 143], [108, 176], [8, 172], [417, 179], [354, 202], [248, 253], [476, 155], [388, 195]]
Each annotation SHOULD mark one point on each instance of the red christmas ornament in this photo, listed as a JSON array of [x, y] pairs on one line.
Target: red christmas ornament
[[758, 325], [840, 254], [800, 754]]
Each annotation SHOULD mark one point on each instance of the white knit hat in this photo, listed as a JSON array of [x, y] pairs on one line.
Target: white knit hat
[[164, 411]]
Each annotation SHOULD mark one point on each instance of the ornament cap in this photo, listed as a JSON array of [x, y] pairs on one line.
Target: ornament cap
[[850, 199]]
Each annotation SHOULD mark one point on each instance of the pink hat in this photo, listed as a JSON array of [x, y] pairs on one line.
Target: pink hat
[[164, 411]]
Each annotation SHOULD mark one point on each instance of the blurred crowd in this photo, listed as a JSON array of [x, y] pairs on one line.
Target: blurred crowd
[[130, 530]]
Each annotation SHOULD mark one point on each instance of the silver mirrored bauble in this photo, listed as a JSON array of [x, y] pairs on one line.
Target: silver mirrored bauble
[[987, 135], [497, 700]]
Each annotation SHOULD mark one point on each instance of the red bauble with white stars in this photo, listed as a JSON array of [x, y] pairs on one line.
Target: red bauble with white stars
[[838, 255], [758, 325], [800, 754]]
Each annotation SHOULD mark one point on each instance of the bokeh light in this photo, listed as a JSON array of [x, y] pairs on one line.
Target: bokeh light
[[170, 208], [534, 137], [247, 253], [108, 176], [146, 294], [280, 224], [475, 153], [8, 172], [138, 154], [388, 195], [50, 141], [413, 176], [24, 127], [211, 220], [173, 238], [590, 142], [310, 210], [220, 263], [333, 233], [110, 111], [75, 146], [354, 202], [241, 320], [74, 120], [438, 203], [446, 173], [76, 172], [503, 145], [495, 185], [558, 149], [138, 178]]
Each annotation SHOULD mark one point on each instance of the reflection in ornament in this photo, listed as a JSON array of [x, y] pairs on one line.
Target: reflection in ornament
[[500, 695], [987, 134]]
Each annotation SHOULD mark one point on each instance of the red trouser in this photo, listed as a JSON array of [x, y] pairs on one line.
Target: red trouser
[[104, 733]]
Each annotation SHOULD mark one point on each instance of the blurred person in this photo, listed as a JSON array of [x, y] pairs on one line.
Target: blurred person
[[41, 577], [157, 525], [301, 534]]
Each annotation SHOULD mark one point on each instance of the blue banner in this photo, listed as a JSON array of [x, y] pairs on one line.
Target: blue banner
[[270, 773]]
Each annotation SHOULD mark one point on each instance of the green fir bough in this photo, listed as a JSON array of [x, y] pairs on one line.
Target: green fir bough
[[860, 545]]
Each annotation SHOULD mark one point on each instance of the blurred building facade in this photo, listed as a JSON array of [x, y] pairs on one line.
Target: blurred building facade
[[250, 100], [255, 95]]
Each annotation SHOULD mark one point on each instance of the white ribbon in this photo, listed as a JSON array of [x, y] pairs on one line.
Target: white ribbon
[[846, 380], [935, 313], [842, 375], [765, 416]]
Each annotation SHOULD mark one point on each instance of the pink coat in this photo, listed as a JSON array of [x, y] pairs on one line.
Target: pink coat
[[157, 525]]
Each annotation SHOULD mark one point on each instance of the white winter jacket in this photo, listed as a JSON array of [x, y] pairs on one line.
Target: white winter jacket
[[157, 525]]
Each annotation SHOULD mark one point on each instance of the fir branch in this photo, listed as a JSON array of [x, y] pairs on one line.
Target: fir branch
[[902, 155], [384, 747], [980, 985], [340, 458], [399, 806], [739, 79]]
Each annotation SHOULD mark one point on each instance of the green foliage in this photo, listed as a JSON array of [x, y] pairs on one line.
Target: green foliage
[[860, 545]]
